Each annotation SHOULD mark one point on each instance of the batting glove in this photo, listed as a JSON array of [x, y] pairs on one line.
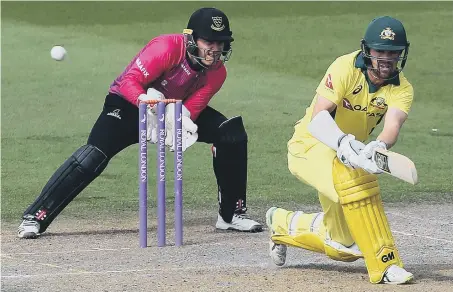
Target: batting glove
[[370, 148], [349, 150], [368, 164], [366, 157]]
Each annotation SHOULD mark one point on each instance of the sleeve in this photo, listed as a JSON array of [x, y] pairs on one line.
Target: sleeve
[[198, 101], [334, 84], [403, 100], [150, 63]]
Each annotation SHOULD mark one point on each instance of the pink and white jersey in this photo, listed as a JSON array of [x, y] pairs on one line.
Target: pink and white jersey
[[162, 64]]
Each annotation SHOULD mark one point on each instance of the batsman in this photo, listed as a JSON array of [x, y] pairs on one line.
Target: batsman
[[188, 66], [359, 90]]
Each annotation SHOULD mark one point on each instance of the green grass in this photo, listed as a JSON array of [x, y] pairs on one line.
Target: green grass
[[280, 53]]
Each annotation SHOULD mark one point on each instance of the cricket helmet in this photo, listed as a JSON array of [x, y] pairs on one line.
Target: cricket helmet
[[386, 33], [210, 24]]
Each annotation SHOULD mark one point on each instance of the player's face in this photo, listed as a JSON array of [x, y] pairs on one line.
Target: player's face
[[384, 62], [209, 51]]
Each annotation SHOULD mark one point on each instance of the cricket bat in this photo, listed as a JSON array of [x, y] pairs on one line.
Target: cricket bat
[[324, 128]]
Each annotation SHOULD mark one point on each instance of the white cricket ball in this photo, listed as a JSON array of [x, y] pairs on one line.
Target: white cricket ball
[[434, 130], [58, 53]]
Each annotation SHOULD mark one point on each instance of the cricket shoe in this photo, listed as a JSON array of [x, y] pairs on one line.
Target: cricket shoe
[[29, 228], [396, 275], [277, 252], [239, 222]]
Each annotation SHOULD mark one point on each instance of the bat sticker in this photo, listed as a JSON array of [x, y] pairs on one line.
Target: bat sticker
[[382, 161]]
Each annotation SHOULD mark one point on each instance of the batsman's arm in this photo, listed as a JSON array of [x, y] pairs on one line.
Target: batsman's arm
[[322, 125], [332, 87], [329, 94], [324, 128], [394, 120], [398, 109], [321, 104]]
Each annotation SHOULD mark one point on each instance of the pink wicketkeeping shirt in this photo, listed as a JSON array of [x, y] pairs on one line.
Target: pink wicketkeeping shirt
[[162, 64]]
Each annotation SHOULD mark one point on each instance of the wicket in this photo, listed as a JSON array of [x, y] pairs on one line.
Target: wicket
[[143, 173]]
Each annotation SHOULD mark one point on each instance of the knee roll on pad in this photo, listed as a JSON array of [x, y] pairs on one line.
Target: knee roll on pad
[[90, 159], [340, 253], [308, 231], [315, 242], [297, 229], [360, 197], [232, 131]]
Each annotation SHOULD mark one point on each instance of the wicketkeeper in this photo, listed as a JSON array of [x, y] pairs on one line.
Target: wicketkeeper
[[359, 90], [189, 67]]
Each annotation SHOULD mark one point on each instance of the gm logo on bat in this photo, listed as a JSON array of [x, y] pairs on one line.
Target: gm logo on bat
[[382, 161]]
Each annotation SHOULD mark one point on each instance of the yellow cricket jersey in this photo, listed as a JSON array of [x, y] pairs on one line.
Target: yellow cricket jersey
[[360, 105]]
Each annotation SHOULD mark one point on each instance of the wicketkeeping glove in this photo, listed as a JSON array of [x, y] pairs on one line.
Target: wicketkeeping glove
[[189, 128], [151, 113]]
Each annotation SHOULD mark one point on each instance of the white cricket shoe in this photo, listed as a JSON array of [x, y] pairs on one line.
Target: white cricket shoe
[[277, 252], [396, 275], [240, 222], [29, 228]]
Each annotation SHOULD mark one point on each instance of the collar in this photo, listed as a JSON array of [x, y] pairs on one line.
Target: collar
[[360, 63]]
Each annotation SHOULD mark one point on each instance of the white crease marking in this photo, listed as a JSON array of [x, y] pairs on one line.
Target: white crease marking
[[418, 218], [210, 267], [422, 236]]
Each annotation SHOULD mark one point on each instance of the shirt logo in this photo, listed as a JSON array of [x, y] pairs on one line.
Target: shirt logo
[[357, 90], [142, 68], [353, 107], [387, 34], [378, 102], [329, 83], [347, 104], [115, 114], [41, 214], [185, 69], [164, 82], [217, 23]]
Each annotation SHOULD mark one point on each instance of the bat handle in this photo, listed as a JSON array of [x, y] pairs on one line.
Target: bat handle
[[156, 101]]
